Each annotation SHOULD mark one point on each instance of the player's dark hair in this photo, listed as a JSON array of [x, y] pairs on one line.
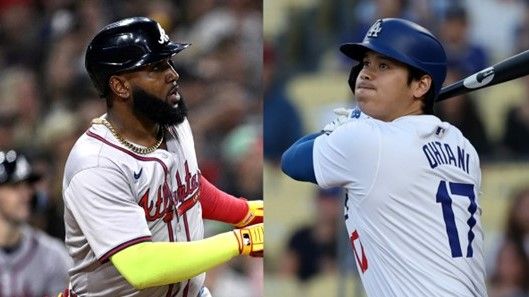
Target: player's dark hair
[[429, 98]]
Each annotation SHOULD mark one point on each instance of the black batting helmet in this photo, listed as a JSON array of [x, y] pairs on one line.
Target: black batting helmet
[[125, 45], [15, 168]]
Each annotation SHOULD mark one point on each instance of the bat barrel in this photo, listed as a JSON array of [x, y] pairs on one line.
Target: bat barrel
[[451, 91], [508, 69]]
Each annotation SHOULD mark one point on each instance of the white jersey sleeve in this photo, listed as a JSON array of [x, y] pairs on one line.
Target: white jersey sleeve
[[102, 202], [349, 155]]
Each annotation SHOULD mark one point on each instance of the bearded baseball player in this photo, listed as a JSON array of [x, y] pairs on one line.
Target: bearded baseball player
[[25, 252], [134, 196], [412, 181]]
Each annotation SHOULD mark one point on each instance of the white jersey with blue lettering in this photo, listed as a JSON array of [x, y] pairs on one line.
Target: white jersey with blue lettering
[[115, 198], [412, 204]]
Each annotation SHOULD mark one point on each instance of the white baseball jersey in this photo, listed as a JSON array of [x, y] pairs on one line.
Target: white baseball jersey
[[412, 207], [115, 198], [37, 267]]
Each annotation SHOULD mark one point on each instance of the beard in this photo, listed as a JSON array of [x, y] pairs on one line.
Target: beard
[[156, 110]]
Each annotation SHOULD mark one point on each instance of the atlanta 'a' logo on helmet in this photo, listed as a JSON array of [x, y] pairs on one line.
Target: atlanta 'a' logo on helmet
[[163, 37]]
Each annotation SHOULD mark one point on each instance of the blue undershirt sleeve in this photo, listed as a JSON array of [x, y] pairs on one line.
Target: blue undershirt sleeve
[[296, 161]]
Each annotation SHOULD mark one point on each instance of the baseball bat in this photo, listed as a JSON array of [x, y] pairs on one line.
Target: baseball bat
[[508, 69]]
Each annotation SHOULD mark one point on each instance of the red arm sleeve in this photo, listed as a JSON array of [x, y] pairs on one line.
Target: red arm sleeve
[[220, 206]]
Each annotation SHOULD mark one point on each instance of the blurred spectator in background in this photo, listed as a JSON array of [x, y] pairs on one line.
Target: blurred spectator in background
[[516, 136], [469, 56], [368, 11], [19, 96], [462, 112], [229, 37], [18, 36], [511, 275], [282, 124], [313, 249], [493, 23], [31, 262], [517, 227], [56, 136], [47, 211], [243, 151], [7, 129], [521, 31], [224, 107]]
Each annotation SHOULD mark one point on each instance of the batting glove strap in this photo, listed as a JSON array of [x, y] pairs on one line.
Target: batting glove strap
[[251, 240], [254, 216]]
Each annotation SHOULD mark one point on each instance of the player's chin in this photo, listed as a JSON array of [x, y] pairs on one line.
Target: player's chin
[[366, 106], [364, 98]]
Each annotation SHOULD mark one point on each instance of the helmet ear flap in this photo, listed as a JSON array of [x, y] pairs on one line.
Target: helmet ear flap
[[353, 75]]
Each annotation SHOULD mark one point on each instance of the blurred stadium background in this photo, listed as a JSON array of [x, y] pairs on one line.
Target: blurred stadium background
[[47, 100], [305, 77]]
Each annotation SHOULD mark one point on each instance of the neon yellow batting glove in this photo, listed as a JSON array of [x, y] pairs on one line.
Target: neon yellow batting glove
[[251, 240]]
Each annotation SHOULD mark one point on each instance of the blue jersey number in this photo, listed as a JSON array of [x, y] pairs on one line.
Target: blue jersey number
[[463, 190]]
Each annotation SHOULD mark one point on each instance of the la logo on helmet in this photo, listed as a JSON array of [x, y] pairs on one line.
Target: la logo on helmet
[[163, 37], [375, 29]]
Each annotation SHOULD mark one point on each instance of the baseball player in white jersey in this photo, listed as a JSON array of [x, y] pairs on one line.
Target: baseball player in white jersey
[[134, 196], [412, 181], [31, 262]]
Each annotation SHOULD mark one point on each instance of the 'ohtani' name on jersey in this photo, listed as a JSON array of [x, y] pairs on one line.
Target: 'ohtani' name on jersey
[[439, 153]]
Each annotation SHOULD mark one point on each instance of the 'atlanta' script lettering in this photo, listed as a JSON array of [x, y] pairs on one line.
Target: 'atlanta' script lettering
[[163, 204]]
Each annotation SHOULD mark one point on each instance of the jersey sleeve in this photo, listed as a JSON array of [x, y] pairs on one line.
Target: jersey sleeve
[[348, 156], [102, 203]]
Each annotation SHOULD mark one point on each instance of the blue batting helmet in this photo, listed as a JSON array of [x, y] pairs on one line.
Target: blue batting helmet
[[405, 42], [126, 45]]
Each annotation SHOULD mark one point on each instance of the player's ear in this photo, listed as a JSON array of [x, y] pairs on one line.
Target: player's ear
[[120, 86], [421, 86]]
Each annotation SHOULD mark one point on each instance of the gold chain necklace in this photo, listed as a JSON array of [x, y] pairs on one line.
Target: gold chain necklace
[[131, 146]]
